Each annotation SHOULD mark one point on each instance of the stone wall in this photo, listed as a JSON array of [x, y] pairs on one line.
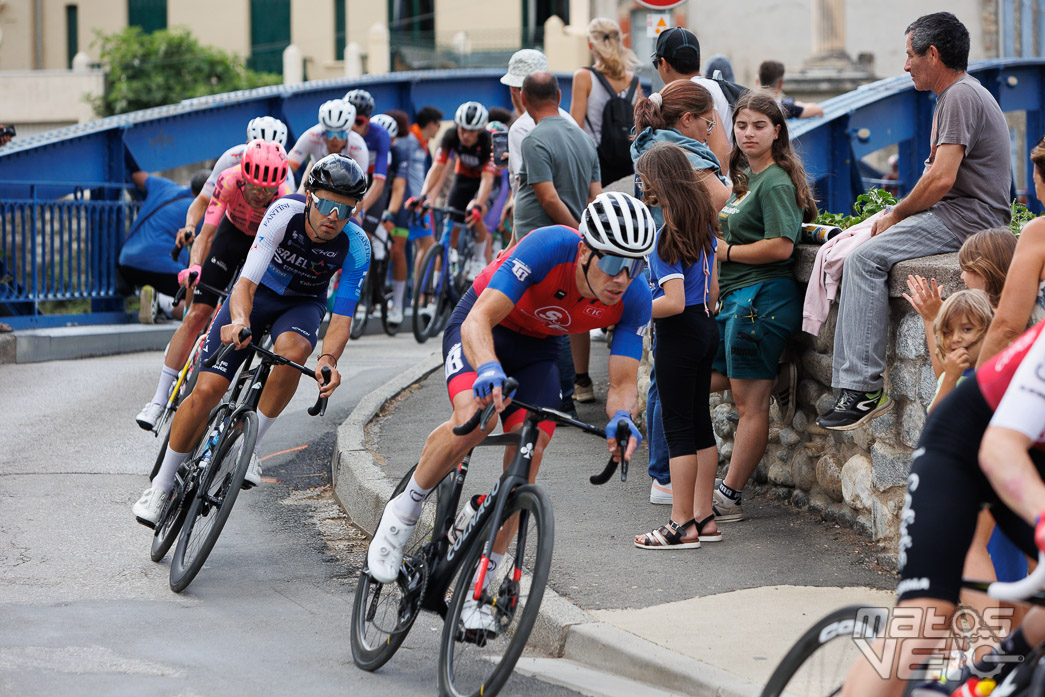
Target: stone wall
[[855, 478]]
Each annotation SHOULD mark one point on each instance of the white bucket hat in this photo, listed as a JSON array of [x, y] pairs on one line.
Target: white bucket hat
[[523, 63]]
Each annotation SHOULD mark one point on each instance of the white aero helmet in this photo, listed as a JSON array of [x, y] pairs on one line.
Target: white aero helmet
[[388, 123], [267, 128], [337, 115], [471, 116], [618, 224]]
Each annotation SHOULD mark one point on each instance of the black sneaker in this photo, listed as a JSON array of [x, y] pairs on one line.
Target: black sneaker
[[854, 408]]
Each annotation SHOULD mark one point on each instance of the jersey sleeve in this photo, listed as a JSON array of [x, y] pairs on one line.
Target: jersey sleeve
[[357, 150], [634, 321], [532, 259], [227, 159], [447, 146], [270, 233], [222, 195], [302, 149], [384, 144], [1022, 408], [352, 271]]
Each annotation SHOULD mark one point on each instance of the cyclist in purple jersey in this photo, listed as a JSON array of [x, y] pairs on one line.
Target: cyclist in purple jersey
[[378, 144]]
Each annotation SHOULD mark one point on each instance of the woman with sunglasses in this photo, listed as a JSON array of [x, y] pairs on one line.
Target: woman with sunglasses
[[302, 241], [333, 134], [685, 292], [761, 306]]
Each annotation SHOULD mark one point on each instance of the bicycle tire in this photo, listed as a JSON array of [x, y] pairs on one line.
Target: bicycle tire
[[169, 527], [427, 290], [215, 496], [477, 662], [371, 650], [818, 663], [359, 326], [166, 430]]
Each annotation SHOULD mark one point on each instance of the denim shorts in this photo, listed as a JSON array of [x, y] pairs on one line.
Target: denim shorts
[[755, 324]]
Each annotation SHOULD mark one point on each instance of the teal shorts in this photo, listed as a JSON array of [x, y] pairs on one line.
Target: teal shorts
[[754, 326]]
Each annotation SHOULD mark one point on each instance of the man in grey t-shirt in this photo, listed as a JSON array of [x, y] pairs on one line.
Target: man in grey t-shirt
[[963, 188], [560, 166]]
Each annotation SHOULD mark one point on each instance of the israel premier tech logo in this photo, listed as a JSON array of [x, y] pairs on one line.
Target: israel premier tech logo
[[555, 317]]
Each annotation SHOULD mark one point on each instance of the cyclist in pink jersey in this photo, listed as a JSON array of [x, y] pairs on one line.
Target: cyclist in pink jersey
[[240, 199]]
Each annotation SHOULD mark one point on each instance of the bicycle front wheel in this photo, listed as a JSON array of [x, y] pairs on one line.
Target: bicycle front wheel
[[170, 524], [210, 508], [818, 663], [427, 293], [483, 638]]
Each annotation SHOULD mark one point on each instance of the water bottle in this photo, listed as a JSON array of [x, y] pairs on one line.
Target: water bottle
[[455, 261], [818, 234], [461, 522]]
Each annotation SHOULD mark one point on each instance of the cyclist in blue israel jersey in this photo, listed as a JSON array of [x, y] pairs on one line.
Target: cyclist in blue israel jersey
[[555, 281], [302, 241]]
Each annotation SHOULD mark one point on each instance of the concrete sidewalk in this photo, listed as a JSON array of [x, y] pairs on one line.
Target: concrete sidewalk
[[712, 621]]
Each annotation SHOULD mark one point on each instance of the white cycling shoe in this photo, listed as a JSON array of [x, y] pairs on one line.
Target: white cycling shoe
[[385, 554], [253, 476], [149, 415], [478, 617], [149, 507], [395, 315]]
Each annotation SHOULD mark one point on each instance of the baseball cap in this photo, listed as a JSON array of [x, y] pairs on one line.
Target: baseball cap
[[671, 41], [523, 63]]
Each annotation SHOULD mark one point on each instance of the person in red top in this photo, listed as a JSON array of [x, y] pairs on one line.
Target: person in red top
[[240, 199]]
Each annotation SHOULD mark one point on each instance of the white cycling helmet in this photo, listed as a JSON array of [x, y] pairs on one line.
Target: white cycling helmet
[[337, 115], [471, 116], [618, 224], [388, 123], [267, 128]]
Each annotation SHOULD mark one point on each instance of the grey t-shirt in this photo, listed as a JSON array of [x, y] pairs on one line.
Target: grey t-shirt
[[559, 152], [967, 114]]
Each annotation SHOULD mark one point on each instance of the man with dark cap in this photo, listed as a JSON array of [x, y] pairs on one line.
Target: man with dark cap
[[678, 58]]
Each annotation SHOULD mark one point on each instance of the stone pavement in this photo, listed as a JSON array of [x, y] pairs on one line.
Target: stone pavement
[[715, 620]]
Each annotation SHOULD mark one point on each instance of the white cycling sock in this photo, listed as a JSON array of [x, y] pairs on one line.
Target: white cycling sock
[[398, 291], [163, 387], [172, 460], [495, 561], [166, 303], [263, 425], [408, 504]]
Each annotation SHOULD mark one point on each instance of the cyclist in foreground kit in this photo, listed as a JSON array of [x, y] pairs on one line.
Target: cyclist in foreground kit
[[555, 281], [984, 445], [302, 241], [242, 195]]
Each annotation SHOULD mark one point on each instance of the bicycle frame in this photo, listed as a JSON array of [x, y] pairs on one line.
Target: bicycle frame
[[463, 250]]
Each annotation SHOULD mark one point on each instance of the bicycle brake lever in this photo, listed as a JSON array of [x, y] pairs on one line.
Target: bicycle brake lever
[[220, 355], [320, 407], [622, 436]]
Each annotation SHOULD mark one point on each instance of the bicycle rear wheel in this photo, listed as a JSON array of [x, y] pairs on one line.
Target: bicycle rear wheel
[[428, 293], [477, 658], [210, 508], [170, 524], [820, 660]]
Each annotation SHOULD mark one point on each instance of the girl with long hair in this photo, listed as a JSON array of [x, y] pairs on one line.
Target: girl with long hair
[[682, 266], [761, 305]]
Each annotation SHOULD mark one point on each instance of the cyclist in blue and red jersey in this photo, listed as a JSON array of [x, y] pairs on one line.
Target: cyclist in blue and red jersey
[[555, 281]]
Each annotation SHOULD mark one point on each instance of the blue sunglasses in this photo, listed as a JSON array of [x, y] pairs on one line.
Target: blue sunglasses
[[335, 135], [612, 265], [325, 206]]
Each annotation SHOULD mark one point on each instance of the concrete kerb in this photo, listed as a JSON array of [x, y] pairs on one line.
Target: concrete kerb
[[562, 628]]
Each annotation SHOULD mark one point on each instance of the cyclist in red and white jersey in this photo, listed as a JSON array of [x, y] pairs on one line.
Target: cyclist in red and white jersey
[[333, 134], [983, 446], [240, 199]]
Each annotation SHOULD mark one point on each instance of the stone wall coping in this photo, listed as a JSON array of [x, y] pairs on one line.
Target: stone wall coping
[[943, 267]]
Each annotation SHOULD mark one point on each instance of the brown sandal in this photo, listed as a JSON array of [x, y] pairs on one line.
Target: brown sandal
[[669, 537]]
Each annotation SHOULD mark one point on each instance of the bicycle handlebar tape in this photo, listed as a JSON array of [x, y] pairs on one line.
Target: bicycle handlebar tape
[[320, 407], [483, 415]]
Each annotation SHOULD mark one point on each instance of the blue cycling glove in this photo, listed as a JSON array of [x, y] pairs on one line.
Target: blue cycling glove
[[622, 416], [490, 375]]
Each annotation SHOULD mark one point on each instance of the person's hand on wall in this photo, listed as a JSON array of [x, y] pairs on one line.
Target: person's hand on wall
[[924, 297]]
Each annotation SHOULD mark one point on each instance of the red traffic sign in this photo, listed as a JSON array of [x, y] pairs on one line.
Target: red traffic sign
[[660, 4]]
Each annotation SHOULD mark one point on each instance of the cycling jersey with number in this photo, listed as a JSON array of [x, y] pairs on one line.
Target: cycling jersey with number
[[378, 145], [538, 274], [232, 158], [313, 144], [472, 160], [1013, 383], [284, 258], [228, 201]]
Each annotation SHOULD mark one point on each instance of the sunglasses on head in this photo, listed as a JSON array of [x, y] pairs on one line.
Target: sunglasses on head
[[326, 206], [335, 135], [611, 265], [360, 120]]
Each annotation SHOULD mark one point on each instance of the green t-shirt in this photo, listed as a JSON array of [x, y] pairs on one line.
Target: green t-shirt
[[767, 210]]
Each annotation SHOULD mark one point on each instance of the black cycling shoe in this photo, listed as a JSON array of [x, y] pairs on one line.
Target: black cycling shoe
[[855, 408]]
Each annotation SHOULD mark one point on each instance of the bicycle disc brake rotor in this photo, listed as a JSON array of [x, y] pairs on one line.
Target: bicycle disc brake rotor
[[411, 585]]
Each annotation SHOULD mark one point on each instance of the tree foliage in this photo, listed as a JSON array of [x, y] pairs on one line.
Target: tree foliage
[[164, 67]]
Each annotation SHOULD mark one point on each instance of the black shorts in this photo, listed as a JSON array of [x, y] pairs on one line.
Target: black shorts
[[166, 283], [372, 216], [685, 349], [228, 250], [462, 191], [945, 492]]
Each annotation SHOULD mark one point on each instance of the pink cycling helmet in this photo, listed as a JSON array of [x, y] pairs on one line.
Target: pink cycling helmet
[[264, 163]]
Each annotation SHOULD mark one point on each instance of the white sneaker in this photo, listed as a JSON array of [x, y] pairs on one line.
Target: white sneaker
[[660, 493], [147, 307], [726, 509], [478, 617], [385, 554], [395, 315], [475, 267], [149, 507], [149, 415], [253, 476]]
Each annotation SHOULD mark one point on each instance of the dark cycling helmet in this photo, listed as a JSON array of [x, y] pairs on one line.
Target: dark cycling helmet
[[362, 101], [339, 175], [618, 224]]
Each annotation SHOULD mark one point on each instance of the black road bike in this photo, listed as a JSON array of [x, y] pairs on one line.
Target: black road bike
[[376, 294], [473, 660], [442, 277], [207, 484]]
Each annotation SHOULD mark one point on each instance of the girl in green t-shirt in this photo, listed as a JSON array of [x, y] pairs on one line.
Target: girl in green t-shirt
[[761, 306]]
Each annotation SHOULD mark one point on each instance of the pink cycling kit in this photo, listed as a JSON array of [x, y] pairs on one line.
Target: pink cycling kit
[[228, 202]]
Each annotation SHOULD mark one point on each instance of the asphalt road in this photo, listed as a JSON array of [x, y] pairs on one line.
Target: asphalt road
[[83, 611]]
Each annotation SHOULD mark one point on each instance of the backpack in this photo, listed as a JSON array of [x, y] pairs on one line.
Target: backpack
[[730, 90], [618, 121]]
